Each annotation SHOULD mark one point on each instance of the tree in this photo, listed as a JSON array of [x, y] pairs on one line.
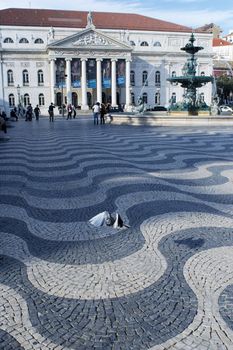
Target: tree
[[224, 88]]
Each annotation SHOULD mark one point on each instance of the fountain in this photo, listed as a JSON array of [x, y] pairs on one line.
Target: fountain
[[190, 81]]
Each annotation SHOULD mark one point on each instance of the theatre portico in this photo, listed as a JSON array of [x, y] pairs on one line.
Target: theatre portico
[[83, 62]]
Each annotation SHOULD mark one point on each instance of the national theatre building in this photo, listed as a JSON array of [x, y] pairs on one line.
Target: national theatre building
[[80, 58]]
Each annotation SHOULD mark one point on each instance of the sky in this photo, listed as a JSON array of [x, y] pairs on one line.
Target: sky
[[191, 13]]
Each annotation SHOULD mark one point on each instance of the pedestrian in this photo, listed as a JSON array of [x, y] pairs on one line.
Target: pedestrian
[[3, 115], [69, 111], [3, 124], [51, 112], [29, 113], [13, 113], [74, 112], [37, 112], [102, 113], [96, 112]]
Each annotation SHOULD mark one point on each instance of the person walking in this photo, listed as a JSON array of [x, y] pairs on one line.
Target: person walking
[[96, 112], [51, 112], [37, 112]]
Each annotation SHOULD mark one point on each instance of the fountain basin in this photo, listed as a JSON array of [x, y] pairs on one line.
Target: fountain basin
[[194, 81], [172, 119]]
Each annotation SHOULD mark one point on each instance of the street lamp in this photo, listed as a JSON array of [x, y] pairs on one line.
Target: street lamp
[[18, 92]]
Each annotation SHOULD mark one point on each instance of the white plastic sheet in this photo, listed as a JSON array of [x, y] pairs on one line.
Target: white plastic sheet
[[106, 219]]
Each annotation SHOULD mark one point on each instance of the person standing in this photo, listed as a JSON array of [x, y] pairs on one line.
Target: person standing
[[96, 112], [29, 113], [69, 111], [37, 112], [102, 113], [3, 123], [13, 113], [74, 112], [51, 112]]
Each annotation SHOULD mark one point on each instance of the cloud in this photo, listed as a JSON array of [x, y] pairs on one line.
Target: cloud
[[93, 5], [184, 1], [196, 18]]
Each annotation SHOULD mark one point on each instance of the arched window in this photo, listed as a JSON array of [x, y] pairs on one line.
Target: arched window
[[59, 99], [144, 78], [39, 41], [8, 41], [74, 99], [144, 43], [173, 98], [132, 43], [202, 74], [144, 97], [41, 100], [132, 98], [26, 100], [10, 77], [174, 75], [157, 77], [40, 77], [25, 77], [132, 78], [157, 98], [23, 41], [11, 99], [157, 43]]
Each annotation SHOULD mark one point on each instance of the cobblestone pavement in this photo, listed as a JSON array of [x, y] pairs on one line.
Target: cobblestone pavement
[[164, 283]]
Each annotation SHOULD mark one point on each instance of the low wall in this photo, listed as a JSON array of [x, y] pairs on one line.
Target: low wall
[[174, 119]]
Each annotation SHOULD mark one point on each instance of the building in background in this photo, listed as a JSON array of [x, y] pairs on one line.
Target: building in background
[[80, 58], [223, 58], [229, 36], [211, 28]]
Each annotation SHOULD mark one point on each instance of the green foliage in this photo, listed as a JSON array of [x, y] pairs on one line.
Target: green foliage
[[224, 85]]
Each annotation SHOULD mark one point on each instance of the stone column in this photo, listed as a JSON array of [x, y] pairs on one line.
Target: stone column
[[2, 99], [99, 80], [52, 79], [84, 105], [127, 87], [166, 86], [113, 82], [68, 80]]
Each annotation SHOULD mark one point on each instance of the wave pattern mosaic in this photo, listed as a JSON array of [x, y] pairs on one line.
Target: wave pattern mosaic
[[164, 282]]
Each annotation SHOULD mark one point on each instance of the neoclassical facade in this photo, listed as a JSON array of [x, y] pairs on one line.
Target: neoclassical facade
[[80, 58]]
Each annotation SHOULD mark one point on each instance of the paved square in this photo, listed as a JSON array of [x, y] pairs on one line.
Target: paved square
[[166, 282]]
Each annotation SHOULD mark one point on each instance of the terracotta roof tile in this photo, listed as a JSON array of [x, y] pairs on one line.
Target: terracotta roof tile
[[78, 19], [220, 42]]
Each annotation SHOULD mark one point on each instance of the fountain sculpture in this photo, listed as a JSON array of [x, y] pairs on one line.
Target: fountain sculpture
[[189, 80], [140, 108]]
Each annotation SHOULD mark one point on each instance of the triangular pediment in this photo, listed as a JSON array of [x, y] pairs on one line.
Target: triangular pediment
[[89, 38]]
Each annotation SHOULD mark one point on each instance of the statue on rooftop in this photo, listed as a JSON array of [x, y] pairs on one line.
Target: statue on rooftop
[[89, 19], [51, 33]]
